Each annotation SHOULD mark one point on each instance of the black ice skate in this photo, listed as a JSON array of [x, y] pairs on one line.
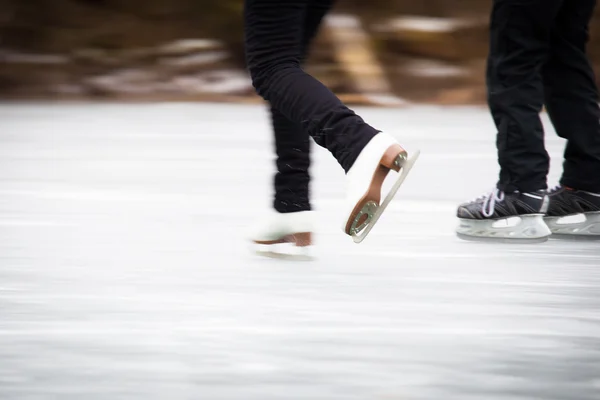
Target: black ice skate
[[507, 217], [573, 213]]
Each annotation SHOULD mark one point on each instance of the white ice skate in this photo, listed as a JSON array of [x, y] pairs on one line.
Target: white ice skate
[[364, 183], [500, 217], [286, 236]]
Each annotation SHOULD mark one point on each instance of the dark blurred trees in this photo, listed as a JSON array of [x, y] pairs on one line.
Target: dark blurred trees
[[95, 37], [62, 25]]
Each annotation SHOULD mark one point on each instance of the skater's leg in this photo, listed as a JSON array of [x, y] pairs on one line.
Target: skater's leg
[[292, 143], [274, 31], [519, 41], [289, 232], [572, 103], [292, 179], [317, 10], [273, 49], [572, 97]]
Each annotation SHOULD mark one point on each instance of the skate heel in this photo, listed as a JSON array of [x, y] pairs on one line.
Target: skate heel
[[364, 212], [394, 158], [366, 177]]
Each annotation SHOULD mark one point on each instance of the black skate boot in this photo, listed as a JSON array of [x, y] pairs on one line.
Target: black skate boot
[[573, 213], [507, 217]]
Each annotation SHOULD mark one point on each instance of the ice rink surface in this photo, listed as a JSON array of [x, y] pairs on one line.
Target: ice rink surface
[[125, 270]]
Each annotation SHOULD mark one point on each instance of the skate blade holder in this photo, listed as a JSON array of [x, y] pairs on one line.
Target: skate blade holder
[[575, 227], [370, 213], [523, 229]]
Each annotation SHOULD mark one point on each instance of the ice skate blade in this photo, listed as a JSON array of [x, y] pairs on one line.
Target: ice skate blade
[[360, 229], [575, 238], [587, 229], [481, 239], [285, 251], [286, 257], [522, 229]]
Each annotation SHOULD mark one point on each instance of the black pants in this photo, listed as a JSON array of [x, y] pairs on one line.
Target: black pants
[[538, 57], [277, 37]]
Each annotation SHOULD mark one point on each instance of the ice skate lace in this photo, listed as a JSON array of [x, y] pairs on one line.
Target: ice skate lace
[[489, 202], [554, 189]]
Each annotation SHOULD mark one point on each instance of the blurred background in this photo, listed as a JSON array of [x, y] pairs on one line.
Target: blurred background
[[376, 52]]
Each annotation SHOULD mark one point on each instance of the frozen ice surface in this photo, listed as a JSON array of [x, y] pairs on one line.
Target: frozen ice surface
[[125, 272]]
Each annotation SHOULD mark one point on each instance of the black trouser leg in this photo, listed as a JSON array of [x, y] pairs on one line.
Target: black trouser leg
[[274, 30], [292, 179], [572, 96], [292, 142], [519, 41]]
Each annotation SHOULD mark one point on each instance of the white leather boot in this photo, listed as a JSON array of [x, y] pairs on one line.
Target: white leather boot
[[363, 205], [286, 235]]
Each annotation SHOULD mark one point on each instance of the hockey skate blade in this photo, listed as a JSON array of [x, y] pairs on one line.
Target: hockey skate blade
[[583, 227], [285, 251], [528, 229], [375, 211]]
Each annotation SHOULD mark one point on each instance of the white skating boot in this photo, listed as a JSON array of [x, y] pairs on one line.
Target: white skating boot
[[363, 205], [286, 235]]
